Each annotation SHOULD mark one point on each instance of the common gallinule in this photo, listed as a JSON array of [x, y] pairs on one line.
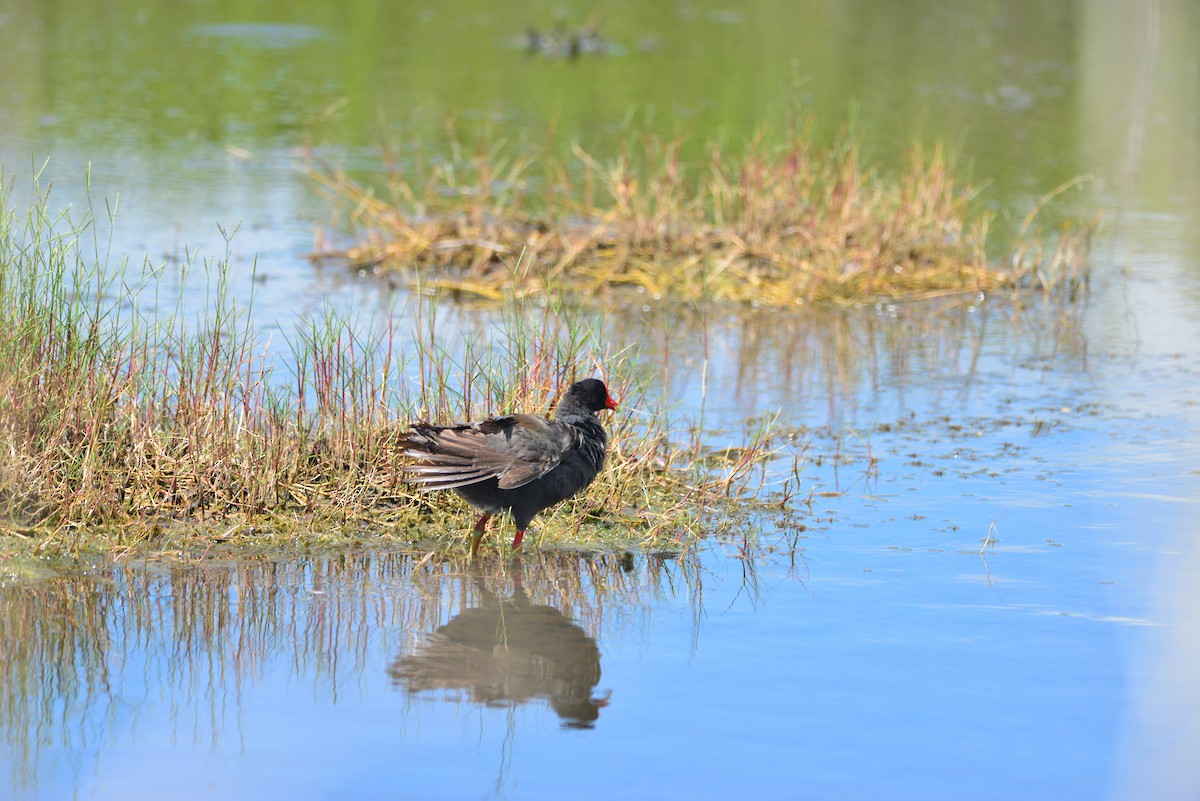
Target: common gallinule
[[521, 463]]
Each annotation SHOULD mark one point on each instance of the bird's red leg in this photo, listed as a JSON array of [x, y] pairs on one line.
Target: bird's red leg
[[480, 527], [517, 539]]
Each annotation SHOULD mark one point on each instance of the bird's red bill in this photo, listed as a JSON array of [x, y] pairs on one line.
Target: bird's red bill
[[610, 402]]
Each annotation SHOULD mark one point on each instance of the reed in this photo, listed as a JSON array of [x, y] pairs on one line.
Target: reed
[[775, 225], [128, 429]]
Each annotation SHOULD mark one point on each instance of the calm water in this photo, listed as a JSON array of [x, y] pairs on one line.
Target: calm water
[[991, 594]]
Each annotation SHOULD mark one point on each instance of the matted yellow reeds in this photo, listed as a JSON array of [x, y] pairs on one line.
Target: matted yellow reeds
[[775, 225]]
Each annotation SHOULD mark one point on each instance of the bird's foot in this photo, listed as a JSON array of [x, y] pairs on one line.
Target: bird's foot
[[480, 528]]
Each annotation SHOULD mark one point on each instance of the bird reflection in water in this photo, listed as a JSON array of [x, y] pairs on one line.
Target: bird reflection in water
[[509, 651]]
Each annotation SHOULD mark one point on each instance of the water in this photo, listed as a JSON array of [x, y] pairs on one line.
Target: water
[[989, 595]]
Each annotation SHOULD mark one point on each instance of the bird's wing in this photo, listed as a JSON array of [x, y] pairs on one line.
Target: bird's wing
[[515, 450], [523, 448]]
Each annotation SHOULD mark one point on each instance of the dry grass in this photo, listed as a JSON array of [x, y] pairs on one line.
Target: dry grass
[[126, 429], [775, 225]]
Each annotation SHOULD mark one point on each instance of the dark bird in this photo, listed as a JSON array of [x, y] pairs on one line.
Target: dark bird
[[520, 463]]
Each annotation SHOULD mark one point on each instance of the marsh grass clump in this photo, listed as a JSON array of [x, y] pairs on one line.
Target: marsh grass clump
[[124, 422], [773, 225]]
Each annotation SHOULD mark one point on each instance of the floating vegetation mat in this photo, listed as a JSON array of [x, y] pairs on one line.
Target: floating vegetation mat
[[774, 225]]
